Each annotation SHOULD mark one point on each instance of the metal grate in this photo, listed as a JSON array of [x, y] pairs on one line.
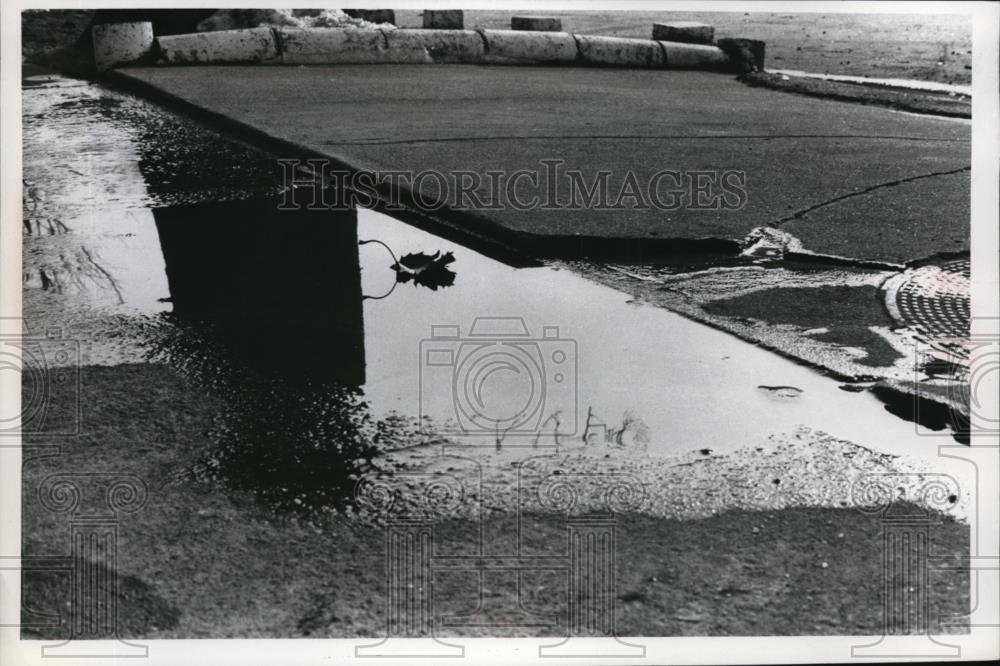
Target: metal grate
[[934, 300]]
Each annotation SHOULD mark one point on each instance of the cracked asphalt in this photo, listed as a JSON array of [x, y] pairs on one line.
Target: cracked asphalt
[[824, 163]]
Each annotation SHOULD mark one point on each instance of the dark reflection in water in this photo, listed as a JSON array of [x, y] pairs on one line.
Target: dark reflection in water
[[284, 286], [268, 313]]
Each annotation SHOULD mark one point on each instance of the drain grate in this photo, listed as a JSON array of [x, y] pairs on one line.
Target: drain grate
[[934, 302]]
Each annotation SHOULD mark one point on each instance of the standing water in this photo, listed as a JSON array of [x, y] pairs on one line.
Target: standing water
[[142, 229]]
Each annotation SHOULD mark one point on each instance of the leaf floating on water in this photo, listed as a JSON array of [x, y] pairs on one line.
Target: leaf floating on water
[[427, 270]]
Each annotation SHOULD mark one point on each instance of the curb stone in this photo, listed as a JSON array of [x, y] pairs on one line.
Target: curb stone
[[121, 43], [301, 46], [695, 56], [444, 19], [620, 51], [255, 45], [515, 46], [686, 32], [304, 46], [746, 55], [536, 23], [444, 46]]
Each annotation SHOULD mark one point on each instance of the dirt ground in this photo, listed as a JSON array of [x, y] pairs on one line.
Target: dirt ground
[[203, 560]]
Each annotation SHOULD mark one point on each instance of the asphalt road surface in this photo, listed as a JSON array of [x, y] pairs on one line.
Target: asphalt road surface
[[847, 180]]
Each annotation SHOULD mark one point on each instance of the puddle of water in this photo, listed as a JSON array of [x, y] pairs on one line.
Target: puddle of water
[[160, 244], [691, 385]]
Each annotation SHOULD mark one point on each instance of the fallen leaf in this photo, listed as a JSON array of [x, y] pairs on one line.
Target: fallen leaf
[[430, 271]]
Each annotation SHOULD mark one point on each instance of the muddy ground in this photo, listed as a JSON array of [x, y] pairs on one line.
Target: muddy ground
[[200, 560]]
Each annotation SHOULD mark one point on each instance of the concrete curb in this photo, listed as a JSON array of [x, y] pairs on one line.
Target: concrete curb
[[444, 19], [256, 45], [746, 55], [439, 46], [621, 52], [517, 46], [695, 56], [121, 43], [688, 32], [536, 23], [302, 46]]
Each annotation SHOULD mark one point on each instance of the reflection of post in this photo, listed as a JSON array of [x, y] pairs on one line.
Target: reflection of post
[[285, 285], [906, 625], [94, 550]]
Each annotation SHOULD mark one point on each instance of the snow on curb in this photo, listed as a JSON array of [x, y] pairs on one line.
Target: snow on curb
[[905, 84]]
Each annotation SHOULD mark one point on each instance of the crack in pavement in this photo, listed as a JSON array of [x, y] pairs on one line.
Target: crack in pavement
[[892, 183], [656, 137]]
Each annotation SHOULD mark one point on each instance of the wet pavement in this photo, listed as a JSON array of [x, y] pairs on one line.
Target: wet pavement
[[887, 187], [148, 239], [890, 192]]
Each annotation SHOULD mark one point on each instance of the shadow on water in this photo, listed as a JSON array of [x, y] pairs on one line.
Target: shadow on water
[[930, 414], [283, 286], [268, 314]]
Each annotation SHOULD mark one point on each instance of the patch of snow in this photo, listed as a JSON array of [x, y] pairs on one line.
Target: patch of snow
[[908, 84], [235, 19]]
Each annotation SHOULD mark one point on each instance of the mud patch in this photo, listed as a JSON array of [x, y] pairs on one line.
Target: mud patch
[[140, 610], [838, 314]]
